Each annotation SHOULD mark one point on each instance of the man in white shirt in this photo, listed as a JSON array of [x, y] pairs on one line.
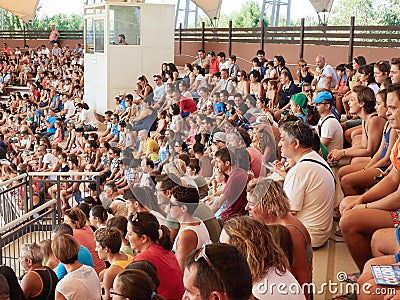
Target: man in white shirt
[[159, 90], [329, 129], [309, 184], [225, 83], [326, 78], [223, 63], [86, 117]]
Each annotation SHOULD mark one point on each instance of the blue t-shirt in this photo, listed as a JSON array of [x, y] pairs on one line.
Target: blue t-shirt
[[218, 108], [122, 104], [114, 130], [51, 120], [84, 257]]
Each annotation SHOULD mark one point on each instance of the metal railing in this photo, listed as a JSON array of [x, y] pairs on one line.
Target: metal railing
[[39, 34], [34, 226], [12, 194], [22, 221]]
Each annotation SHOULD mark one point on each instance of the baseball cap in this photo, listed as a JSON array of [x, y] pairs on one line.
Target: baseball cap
[[219, 137], [122, 93], [157, 76], [301, 100], [324, 95]]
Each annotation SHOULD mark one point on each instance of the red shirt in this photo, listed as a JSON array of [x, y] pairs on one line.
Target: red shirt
[[187, 105], [85, 237], [214, 66], [6, 50], [168, 271], [236, 194]]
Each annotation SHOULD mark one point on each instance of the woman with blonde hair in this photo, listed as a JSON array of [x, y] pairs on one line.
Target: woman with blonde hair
[[268, 203], [81, 282], [267, 261]]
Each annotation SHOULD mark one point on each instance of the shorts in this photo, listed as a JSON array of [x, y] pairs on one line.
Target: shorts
[[397, 255], [396, 221]]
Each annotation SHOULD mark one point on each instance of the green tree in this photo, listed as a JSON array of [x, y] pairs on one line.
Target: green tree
[[388, 13], [247, 17], [362, 10]]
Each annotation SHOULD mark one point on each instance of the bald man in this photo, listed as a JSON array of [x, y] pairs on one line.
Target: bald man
[[326, 75]]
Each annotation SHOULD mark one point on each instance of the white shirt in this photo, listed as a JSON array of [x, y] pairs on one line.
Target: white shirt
[[70, 108], [200, 230], [278, 287], [224, 65], [203, 81], [88, 117], [83, 283], [331, 129], [310, 188], [327, 71]]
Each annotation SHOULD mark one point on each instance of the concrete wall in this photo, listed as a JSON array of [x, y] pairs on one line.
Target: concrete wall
[[246, 51]]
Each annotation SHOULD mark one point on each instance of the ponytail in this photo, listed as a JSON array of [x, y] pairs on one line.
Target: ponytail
[[165, 238]]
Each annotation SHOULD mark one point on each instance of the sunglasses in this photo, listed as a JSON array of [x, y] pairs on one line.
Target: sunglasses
[[201, 254], [112, 294]]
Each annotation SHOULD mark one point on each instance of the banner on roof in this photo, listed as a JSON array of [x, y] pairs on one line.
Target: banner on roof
[[322, 5], [24, 9], [211, 8]]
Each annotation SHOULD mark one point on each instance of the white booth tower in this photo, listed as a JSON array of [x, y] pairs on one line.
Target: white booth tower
[[112, 67]]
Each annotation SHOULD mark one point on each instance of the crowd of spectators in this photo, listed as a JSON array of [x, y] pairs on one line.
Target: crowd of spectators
[[193, 153]]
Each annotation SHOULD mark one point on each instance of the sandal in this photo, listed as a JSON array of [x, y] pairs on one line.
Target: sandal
[[338, 232], [352, 278], [336, 214]]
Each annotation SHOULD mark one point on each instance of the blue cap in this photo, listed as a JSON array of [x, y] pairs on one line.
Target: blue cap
[[325, 95]]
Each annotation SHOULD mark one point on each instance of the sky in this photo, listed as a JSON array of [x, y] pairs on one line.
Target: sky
[[299, 8]]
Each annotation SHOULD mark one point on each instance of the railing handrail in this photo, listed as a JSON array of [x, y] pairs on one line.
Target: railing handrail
[[26, 216], [16, 178], [45, 174]]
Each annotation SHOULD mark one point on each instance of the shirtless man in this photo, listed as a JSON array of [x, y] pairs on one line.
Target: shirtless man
[[54, 34]]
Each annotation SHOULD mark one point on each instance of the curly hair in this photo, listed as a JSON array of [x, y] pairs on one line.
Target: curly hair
[[261, 256], [271, 196]]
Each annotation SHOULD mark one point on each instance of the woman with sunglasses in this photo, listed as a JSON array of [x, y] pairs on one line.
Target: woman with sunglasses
[[243, 86], [154, 244], [304, 73], [266, 260]]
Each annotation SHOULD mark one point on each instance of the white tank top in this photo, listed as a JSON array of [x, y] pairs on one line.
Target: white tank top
[[201, 232]]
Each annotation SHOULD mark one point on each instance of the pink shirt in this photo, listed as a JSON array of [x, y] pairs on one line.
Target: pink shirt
[[85, 237]]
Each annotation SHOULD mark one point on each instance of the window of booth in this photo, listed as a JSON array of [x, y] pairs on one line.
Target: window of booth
[[89, 36], [99, 36], [124, 25]]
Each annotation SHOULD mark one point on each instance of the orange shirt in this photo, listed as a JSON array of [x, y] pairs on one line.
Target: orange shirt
[[395, 154]]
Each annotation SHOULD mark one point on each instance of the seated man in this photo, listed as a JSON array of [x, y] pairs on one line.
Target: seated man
[[309, 184], [379, 207], [212, 271]]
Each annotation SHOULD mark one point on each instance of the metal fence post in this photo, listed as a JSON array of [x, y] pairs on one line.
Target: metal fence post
[[59, 212], [203, 35], [302, 38], [180, 38], [351, 39], [262, 29], [98, 186], [27, 185], [230, 38]]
